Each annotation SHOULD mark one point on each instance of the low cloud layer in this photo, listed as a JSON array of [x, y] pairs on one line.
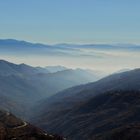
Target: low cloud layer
[[107, 58]]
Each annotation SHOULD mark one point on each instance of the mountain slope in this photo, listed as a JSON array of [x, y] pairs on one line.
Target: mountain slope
[[121, 81], [12, 128], [98, 118], [127, 80], [22, 85], [127, 132], [57, 107], [52, 83], [17, 47], [7, 68]]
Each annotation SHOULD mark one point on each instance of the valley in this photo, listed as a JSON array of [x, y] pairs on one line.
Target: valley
[[69, 70], [99, 110]]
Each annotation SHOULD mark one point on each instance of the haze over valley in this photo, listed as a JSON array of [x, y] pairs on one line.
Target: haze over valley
[[69, 91], [106, 58], [63, 101], [69, 70]]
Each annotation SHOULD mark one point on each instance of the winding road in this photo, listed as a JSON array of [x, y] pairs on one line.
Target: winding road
[[17, 127], [24, 125], [21, 126]]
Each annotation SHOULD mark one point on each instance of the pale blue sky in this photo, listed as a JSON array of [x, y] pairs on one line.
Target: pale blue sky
[[71, 21]]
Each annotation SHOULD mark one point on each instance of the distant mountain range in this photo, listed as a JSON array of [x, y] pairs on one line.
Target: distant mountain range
[[102, 57], [77, 107], [12, 46]]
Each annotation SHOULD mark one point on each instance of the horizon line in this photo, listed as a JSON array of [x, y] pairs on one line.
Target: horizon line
[[69, 43]]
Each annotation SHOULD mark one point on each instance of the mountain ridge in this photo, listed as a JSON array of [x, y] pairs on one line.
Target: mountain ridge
[[24, 85]]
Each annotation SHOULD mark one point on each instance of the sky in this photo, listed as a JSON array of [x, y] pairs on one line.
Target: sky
[[71, 21], [74, 22]]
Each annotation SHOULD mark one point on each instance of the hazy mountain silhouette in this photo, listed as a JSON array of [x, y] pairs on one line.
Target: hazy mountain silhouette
[[16, 47], [7, 68], [23, 85]]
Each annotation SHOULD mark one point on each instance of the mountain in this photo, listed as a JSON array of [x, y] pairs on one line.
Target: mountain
[[15, 90], [60, 105], [18, 92], [71, 55], [12, 128], [107, 116], [19, 47], [119, 81], [51, 83], [21, 86], [7, 68], [127, 132]]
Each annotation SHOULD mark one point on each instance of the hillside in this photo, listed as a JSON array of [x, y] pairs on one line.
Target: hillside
[[57, 109], [102, 116], [127, 132], [119, 81], [12, 128], [21, 85], [73, 96], [7, 68]]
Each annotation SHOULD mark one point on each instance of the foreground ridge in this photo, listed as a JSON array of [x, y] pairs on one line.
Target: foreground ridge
[[12, 128]]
